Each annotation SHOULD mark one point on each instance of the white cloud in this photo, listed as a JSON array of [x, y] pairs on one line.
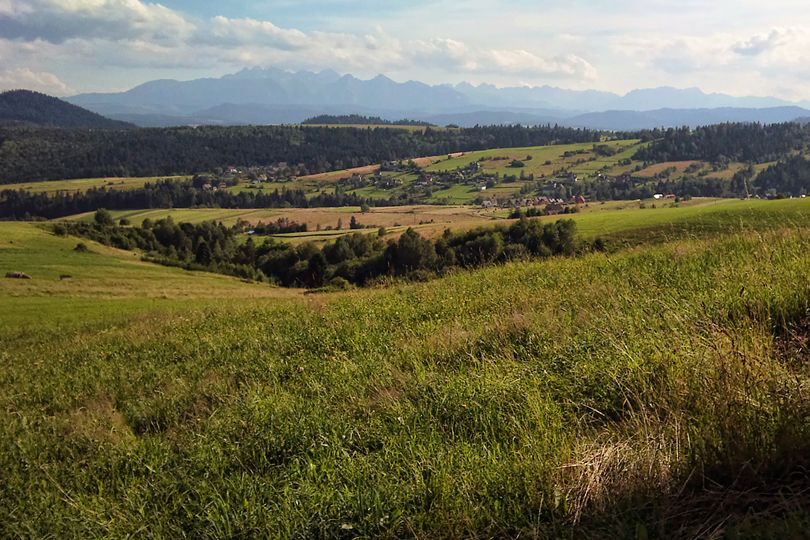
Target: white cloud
[[126, 33], [33, 80], [59, 20], [759, 44], [767, 62], [760, 48]]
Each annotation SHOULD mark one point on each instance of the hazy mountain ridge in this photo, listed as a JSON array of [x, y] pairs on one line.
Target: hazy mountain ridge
[[271, 96]]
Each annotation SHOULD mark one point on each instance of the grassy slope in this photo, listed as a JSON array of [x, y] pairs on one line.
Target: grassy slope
[[105, 283], [517, 399]]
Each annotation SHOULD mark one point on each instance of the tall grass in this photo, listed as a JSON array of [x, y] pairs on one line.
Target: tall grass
[[641, 394]]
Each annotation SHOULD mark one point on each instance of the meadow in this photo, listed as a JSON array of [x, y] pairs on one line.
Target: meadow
[[657, 390]]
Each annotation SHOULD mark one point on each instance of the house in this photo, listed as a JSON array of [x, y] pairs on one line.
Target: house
[[579, 199], [658, 196]]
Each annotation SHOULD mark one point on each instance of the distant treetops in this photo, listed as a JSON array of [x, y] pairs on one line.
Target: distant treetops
[[356, 119]]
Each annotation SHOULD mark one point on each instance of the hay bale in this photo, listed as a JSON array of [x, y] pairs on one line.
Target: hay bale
[[65, 277], [17, 275]]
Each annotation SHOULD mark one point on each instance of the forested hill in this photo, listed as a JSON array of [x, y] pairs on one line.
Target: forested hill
[[48, 154], [728, 142], [32, 108]]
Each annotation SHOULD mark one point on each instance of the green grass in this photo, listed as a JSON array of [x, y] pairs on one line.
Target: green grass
[[457, 194], [104, 284], [626, 217], [660, 391]]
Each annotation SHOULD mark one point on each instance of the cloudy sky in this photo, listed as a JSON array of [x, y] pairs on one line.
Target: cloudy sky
[[739, 47]]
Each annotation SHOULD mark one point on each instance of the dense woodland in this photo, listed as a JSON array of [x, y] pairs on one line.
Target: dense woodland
[[787, 178], [47, 154], [720, 143], [22, 205], [353, 259]]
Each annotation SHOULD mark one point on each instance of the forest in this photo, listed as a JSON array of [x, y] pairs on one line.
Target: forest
[[755, 143], [21, 205], [28, 153]]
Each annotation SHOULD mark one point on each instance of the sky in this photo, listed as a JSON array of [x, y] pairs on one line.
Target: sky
[[737, 47]]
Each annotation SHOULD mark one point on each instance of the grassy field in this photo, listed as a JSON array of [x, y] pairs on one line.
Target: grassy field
[[656, 392], [389, 217], [102, 282], [81, 185], [593, 219]]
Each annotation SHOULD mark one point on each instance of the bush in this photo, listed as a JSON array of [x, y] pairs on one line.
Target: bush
[[339, 283], [104, 218]]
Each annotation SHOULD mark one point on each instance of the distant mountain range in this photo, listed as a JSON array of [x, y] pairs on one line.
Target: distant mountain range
[[24, 107], [275, 96]]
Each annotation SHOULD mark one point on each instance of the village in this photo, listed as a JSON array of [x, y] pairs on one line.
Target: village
[[405, 182]]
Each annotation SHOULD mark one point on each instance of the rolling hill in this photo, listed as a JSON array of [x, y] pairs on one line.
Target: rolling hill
[[33, 108]]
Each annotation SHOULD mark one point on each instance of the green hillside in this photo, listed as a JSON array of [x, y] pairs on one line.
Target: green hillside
[[656, 392]]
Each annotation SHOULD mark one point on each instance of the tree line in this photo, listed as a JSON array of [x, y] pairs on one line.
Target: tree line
[[358, 119], [352, 259], [745, 142], [28, 154], [23, 205]]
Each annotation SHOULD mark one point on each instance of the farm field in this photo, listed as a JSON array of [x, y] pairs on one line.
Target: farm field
[[540, 155], [82, 185], [533, 399], [389, 217], [593, 219], [545, 162]]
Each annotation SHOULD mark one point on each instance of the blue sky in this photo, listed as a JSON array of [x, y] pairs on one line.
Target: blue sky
[[739, 47]]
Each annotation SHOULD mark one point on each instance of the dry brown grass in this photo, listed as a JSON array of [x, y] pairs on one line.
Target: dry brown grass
[[652, 170], [334, 176], [98, 420]]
